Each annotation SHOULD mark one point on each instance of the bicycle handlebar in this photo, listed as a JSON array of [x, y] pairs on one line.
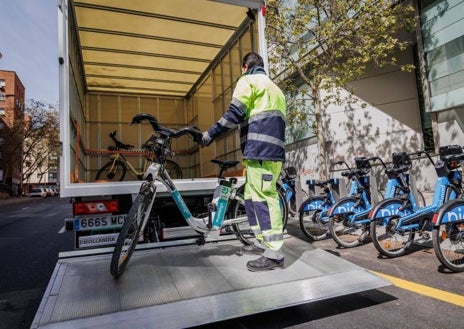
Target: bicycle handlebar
[[119, 144], [168, 132]]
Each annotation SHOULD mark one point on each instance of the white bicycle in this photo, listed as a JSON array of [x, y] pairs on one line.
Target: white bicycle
[[226, 212]]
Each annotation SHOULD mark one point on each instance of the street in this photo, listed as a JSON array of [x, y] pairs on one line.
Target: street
[[30, 243]]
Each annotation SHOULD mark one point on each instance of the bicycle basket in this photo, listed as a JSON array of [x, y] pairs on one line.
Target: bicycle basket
[[401, 159], [290, 172], [363, 164]]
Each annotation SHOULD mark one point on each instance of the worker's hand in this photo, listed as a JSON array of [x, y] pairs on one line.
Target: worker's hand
[[206, 139]]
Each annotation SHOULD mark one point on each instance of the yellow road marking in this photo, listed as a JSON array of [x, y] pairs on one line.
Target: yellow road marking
[[425, 290]]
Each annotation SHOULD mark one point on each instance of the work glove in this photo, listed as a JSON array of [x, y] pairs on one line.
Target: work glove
[[206, 139]]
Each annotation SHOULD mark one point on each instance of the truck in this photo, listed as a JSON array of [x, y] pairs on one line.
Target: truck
[[173, 59], [177, 60]]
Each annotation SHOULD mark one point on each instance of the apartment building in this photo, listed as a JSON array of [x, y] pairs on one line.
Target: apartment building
[[12, 93]]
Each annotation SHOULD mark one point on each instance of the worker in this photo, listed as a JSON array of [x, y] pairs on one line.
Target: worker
[[258, 106]]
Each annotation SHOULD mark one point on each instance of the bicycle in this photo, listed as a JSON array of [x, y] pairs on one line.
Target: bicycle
[[395, 221], [116, 168], [225, 212], [448, 234], [348, 223], [288, 186], [313, 211]]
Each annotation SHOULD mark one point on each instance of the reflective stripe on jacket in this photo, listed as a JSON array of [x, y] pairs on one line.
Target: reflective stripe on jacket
[[258, 106]]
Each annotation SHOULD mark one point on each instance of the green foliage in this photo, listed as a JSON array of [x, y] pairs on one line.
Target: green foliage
[[330, 43], [326, 44]]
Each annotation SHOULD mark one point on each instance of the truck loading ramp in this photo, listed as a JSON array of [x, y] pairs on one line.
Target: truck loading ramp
[[189, 285]]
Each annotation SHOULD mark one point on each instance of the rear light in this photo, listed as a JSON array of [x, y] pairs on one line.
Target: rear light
[[371, 213], [95, 207], [435, 218]]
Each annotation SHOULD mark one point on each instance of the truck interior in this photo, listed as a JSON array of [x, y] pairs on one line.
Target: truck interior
[[170, 58]]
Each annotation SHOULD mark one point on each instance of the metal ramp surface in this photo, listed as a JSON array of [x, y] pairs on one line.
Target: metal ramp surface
[[187, 286]]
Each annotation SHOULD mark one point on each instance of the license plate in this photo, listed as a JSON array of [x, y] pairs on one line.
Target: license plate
[[98, 240], [103, 221]]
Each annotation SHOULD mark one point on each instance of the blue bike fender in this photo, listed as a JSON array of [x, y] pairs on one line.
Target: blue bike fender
[[451, 212], [312, 204], [343, 207]]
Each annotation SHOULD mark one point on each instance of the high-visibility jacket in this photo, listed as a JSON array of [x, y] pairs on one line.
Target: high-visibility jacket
[[258, 106]]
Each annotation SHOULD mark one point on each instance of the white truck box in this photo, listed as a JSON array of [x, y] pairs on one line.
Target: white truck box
[[175, 59]]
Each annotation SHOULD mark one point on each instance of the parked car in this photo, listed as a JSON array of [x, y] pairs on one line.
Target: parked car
[[36, 192]]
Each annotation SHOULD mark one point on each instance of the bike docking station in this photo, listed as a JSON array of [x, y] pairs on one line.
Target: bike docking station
[[179, 284]]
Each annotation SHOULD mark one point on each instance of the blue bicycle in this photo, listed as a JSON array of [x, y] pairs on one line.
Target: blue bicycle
[[348, 222], [448, 224], [314, 222], [395, 221]]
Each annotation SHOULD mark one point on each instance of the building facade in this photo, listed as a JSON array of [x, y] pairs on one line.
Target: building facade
[[12, 95]]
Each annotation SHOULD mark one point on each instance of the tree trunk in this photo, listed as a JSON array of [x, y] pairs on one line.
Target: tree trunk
[[321, 152]]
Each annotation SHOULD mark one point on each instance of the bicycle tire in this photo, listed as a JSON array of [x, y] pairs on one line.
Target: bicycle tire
[[384, 235], [173, 169], [112, 172], [237, 208], [448, 244], [342, 230], [310, 223], [129, 235]]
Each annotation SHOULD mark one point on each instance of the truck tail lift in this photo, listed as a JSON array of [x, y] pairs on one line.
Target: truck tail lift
[[184, 285]]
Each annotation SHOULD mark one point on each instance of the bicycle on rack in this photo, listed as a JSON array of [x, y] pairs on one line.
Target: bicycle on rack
[[314, 222], [288, 186], [348, 223], [225, 212], [395, 221], [116, 168], [448, 227]]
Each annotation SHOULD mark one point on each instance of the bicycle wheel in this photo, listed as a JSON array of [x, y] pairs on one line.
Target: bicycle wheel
[[173, 169], [129, 235], [343, 230], [112, 171], [237, 208], [310, 222], [385, 237], [448, 243]]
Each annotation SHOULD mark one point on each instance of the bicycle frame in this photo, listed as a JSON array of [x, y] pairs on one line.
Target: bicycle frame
[[444, 190], [162, 176], [120, 157], [315, 203]]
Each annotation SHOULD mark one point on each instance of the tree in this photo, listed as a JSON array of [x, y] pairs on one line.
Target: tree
[[35, 138], [326, 44]]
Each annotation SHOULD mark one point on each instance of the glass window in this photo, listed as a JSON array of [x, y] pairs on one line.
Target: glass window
[[2, 111], [2, 96]]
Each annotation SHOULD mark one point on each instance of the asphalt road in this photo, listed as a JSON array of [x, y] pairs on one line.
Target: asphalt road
[[29, 244], [424, 294]]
